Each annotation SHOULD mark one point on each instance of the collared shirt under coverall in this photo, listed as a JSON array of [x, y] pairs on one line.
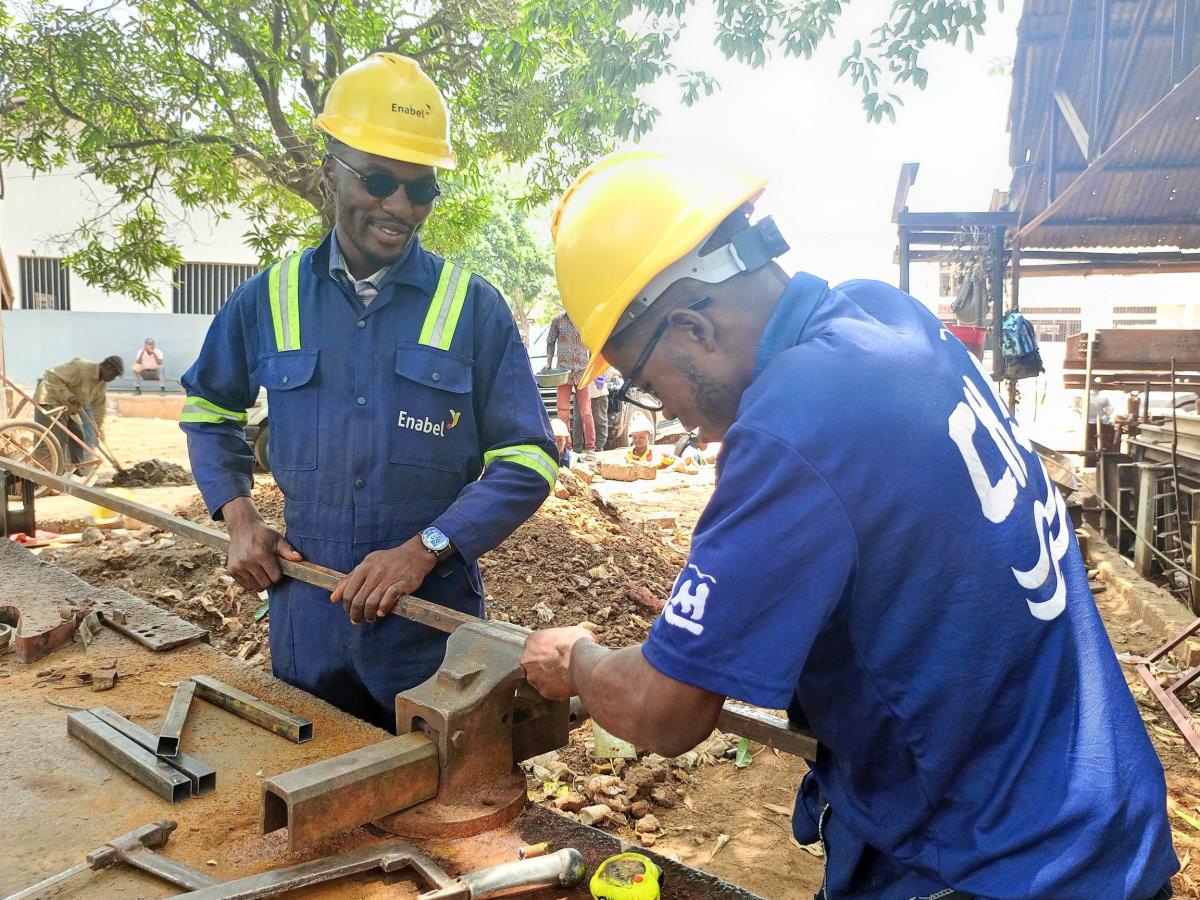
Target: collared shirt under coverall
[[374, 435]]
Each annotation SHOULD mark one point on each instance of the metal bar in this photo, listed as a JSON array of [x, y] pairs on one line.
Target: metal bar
[[1185, 679], [333, 795], [1074, 121], [202, 776], [1191, 586], [1049, 114], [997, 281], [560, 869], [946, 220], [1100, 54], [905, 258], [1121, 81], [766, 728], [414, 608], [172, 726], [1164, 107], [35, 890], [392, 856], [1052, 160], [128, 756], [1175, 709], [289, 725], [1143, 557], [429, 613], [1159, 652]]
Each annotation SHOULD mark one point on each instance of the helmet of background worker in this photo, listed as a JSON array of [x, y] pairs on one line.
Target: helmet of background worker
[[386, 106], [634, 223], [559, 428], [639, 423]]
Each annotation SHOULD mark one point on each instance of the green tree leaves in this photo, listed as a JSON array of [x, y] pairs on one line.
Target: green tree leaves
[[183, 105]]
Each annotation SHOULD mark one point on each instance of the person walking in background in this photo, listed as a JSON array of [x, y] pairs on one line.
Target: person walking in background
[[573, 356], [147, 365]]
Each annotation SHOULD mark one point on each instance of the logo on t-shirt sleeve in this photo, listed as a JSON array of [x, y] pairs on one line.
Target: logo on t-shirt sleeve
[[685, 609]]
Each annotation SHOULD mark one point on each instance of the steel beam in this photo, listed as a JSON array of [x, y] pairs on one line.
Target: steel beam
[[1136, 38], [172, 727], [134, 760], [330, 796], [202, 776], [1100, 54], [285, 724], [1074, 121], [1178, 95]]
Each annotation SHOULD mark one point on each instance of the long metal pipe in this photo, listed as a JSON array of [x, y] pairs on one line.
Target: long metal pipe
[[759, 726]]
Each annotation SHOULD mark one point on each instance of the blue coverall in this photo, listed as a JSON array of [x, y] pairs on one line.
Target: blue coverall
[[417, 409]]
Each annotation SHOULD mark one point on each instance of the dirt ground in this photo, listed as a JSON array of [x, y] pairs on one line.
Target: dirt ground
[[584, 559]]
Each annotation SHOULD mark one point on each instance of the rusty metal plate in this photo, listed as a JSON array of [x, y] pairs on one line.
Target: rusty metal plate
[[144, 622], [330, 796]]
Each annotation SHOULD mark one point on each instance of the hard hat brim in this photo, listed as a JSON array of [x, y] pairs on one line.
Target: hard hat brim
[[387, 143], [595, 366]]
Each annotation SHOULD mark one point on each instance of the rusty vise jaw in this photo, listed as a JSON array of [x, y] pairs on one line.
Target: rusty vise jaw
[[484, 718]]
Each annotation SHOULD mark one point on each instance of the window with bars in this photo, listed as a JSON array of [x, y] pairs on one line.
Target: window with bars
[[1134, 323], [203, 288], [1135, 310], [45, 282]]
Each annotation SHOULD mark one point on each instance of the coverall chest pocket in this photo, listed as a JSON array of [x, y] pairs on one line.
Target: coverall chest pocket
[[432, 420], [291, 382]]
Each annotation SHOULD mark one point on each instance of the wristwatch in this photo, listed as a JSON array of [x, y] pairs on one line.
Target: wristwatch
[[435, 541]]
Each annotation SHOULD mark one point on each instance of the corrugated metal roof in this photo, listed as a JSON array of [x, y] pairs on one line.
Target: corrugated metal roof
[[1148, 195]]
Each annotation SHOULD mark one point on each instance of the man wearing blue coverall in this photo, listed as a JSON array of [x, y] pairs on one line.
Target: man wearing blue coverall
[[406, 431], [883, 555]]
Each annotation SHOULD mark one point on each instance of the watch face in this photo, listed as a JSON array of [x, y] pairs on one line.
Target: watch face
[[434, 539]]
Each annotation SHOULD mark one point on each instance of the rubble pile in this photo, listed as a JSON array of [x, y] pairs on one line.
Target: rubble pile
[[623, 795], [152, 473]]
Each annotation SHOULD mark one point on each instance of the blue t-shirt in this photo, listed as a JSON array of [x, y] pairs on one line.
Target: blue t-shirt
[[885, 555]]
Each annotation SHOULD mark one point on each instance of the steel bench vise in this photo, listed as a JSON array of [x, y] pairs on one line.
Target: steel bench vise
[[453, 769]]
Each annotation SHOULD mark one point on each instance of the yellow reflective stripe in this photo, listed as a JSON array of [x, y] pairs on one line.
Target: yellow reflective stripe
[[197, 409], [446, 307], [284, 281], [189, 415], [293, 301], [273, 278], [529, 455]]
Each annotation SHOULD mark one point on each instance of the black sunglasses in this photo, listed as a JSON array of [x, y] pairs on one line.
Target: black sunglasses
[[381, 185], [647, 400]]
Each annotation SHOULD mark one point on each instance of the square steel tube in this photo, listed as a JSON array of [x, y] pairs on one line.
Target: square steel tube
[[172, 726], [295, 728], [202, 776], [330, 796], [132, 758]]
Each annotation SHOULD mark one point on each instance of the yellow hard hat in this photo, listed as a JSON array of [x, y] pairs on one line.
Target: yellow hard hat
[[386, 106], [624, 223]]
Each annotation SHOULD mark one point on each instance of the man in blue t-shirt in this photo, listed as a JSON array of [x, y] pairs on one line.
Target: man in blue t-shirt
[[883, 555]]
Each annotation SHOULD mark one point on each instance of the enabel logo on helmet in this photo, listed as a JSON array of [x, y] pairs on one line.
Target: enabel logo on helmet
[[419, 112], [426, 425]]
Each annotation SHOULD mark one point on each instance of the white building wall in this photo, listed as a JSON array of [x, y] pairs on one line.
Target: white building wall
[[37, 210]]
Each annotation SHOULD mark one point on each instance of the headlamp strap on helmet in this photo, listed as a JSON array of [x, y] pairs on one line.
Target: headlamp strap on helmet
[[749, 250]]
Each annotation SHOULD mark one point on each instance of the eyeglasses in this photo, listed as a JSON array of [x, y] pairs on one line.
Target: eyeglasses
[[381, 185], [646, 399]]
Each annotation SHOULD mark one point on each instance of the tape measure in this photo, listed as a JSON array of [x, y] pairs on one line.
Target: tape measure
[[627, 876]]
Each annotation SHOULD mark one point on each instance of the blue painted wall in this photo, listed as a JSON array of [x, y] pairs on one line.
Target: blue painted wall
[[35, 339]]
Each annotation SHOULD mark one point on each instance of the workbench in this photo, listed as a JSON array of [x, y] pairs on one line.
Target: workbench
[[59, 800]]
